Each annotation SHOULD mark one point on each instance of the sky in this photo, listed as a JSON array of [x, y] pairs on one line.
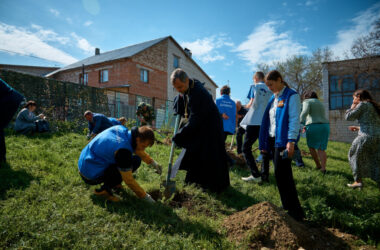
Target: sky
[[227, 38]]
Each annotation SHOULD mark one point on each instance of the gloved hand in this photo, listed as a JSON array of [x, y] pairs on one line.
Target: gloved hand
[[157, 167], [149, 198]]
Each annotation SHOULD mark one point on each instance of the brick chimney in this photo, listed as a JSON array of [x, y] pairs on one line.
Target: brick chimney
[[97, 51], [188, 52]]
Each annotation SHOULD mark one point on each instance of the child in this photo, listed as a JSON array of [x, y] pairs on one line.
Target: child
[[109, 159]]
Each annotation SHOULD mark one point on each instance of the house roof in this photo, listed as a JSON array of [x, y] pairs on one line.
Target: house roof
[[111, 55], [125, 53], [354, 59]]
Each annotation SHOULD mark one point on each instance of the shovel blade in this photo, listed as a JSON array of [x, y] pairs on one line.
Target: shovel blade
[[169, 189]]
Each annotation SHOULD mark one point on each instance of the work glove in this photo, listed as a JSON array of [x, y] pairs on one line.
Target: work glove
[[157, 167], [149, 198]]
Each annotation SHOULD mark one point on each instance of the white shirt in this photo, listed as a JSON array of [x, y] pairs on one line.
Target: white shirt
[[294, 111], [255, 113]]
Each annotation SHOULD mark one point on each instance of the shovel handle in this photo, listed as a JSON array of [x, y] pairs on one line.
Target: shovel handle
[[177, 120]]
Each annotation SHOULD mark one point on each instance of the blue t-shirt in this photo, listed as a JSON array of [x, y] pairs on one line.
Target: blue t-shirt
[[227, 106], [251, 92], [99, 123]]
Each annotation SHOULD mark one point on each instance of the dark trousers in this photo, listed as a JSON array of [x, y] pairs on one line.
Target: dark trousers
[[239, 139], [251, 135], [112, 177], [285, 182], [267, 156], [2, 146]]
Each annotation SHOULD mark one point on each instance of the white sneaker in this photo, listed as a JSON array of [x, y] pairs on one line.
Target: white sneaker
[[251, 178]]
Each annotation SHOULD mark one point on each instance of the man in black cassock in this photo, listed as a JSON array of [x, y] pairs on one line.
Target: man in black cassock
[[200, 135]]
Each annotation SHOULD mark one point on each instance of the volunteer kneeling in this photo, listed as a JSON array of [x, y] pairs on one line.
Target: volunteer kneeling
[[109, 159]]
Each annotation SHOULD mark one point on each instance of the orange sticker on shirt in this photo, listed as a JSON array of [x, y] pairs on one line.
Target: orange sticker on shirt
[[280, 104]]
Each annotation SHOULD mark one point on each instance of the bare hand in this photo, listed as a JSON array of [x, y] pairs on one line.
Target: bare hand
[[303, 129], [354, 105], [290, 148], [225, 117], [354, 128]]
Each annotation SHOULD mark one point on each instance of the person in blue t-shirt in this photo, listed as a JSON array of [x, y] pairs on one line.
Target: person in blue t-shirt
[[227, 109], [112, 157], [258, 95], [96, 123], [118, 121]]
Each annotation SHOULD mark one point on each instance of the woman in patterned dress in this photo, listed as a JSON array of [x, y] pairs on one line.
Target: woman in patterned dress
[[364, 154]]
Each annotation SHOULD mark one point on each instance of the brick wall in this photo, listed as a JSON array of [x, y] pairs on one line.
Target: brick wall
[[127, 71], [188, 66]]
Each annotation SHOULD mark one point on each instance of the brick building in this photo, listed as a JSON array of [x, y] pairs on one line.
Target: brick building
[[340, 80], [142, 70]]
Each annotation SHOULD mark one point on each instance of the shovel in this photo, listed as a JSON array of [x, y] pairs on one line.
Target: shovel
[[169, 184]]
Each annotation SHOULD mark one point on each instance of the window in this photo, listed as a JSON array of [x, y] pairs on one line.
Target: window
[[103, 77], [176, 62], [144, 75], [343, 87], [83, 80], [341, 90]]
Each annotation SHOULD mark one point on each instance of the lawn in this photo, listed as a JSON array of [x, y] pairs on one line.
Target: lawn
[[45, 204]]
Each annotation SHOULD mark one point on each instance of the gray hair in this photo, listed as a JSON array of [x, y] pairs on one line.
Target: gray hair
[[178, 74]]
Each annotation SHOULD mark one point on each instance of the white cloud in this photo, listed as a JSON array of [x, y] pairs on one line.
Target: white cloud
[[206, 49], [23, 41], [266, 45], [362, 24], [83, 44], [54, 12], [48, 35], [88, 23]]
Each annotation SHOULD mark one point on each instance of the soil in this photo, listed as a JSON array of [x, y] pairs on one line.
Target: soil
[[239, 159], [184, 200], [265, 225], [180, 199]]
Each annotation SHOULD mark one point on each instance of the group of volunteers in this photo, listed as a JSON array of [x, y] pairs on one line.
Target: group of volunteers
[[274, 116]]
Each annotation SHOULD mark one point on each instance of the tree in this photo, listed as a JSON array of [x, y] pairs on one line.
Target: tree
[[368, 45], [301, 72]]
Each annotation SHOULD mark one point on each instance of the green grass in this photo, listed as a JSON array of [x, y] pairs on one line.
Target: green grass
[[45, 204]]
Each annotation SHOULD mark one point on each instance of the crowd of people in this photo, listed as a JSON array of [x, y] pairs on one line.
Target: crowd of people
[[274, 116]]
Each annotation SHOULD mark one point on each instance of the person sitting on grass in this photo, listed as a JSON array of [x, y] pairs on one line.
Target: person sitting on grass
[[112, 156], [27, 122], [96, 123], [118, 121]]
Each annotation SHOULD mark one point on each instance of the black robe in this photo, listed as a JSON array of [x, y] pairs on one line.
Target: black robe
[[203, 156]]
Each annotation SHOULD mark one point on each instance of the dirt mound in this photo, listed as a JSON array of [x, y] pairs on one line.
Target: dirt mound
[[265, 225]]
